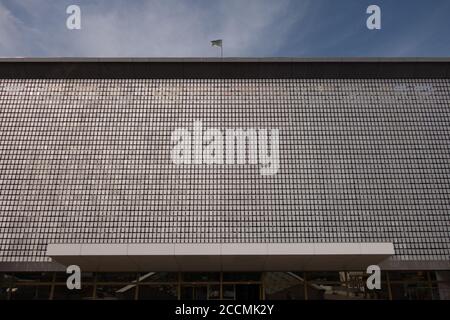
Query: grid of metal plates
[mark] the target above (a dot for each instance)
(88, 161)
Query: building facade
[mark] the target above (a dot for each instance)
(225, 178)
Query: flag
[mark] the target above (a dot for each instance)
(216, 43)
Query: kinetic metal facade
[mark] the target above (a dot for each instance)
(88, 161)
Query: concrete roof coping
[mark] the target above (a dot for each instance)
(225, 60)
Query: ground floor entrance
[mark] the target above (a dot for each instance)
(331, 285)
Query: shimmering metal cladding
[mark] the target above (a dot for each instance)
(88, 161)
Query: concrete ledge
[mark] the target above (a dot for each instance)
(221, 257)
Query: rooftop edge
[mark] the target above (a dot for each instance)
(226, 59)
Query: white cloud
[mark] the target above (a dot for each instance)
(152, 28)
(11, 33)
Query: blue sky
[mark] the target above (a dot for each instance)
(249, 28)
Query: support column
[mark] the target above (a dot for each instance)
(443, 288)
(305, 286)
